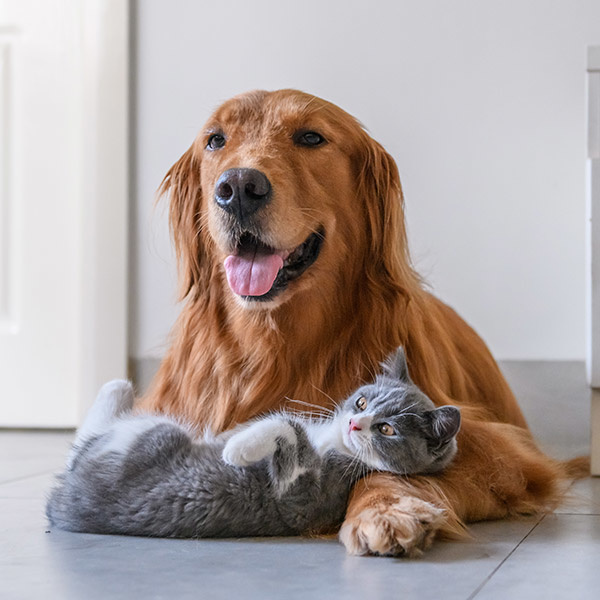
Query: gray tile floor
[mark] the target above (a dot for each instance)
(557, 556)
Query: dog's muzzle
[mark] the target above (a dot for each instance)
(241, 192)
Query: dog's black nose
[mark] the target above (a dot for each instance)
(242, 192)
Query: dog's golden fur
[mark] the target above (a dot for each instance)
(231, 359)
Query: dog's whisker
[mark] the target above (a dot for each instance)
(312, 211)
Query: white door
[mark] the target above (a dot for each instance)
(51, 218)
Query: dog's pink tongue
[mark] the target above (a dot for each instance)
(252, 274)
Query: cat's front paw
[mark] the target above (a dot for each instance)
(238, 454)
(256, 442)
(404, 528)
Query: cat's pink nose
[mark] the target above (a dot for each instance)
(354, 426)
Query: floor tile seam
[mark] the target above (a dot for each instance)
(25, 477)
(577, 514)
(499, 566)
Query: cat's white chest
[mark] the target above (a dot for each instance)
(326, 436)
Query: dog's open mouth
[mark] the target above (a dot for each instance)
(257, 272)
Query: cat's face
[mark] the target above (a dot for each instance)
(391, 425)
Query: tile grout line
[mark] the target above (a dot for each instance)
(487, 579)
(578, 514)
(23, 477)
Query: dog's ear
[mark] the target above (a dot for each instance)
(379, 186)
(182, 184)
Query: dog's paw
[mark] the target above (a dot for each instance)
(256, 442)
(404, 528)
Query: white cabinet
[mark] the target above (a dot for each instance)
(593, 248)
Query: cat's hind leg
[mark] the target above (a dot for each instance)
(114, 399)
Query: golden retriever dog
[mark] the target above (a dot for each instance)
(288, 223)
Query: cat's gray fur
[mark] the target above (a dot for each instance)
(281, 474)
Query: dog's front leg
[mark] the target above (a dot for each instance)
(498, 472)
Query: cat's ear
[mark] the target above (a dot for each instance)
(445, 423)
(395, 366)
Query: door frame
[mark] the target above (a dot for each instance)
(593, 248)
(105, 193)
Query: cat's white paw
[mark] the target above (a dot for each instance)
(256, 442)
(239, 454)
(117, 397)
(114, 399)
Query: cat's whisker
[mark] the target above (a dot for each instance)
(357, 468)
(364, 472)
(299, 413)
(304, 414)
(371, 370)
(315, 406)
(304, 417)
(355, 459)
(403, 411)
(356, 464)
(324, 394)
(345, 472)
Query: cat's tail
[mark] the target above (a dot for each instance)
(577, 468)
(114, 399)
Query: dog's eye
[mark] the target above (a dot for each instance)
(361, 403)
(308, 138)
(386, 429)
(215, 141)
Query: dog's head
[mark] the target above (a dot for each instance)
(281, 192)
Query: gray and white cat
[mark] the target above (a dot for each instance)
(281, 474)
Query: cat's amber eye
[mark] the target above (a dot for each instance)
(361, 403)
(386, 429)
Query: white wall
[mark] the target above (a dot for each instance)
(481, 102)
